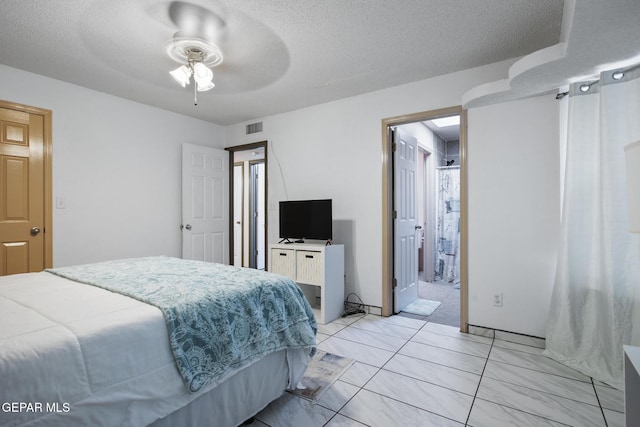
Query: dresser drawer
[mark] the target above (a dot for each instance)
(283, 262)
(310, 267)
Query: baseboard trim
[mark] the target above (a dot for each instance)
(503, 335)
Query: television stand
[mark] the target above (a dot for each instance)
(319, 272)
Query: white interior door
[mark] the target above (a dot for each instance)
(405, 159)
(259, 215)
(238, 214)
(205, 211)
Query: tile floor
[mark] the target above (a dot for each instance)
(410, 372)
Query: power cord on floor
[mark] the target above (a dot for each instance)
(353, 307)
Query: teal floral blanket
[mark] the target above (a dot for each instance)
(220, 318)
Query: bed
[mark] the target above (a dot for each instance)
(128, 343)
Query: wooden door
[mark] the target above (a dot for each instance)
(25, 194)
(205, 213)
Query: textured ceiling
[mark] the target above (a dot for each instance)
(280, 55)
(596, 36)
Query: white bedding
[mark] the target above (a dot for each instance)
(73, 354)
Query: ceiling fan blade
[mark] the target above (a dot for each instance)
(196, 21)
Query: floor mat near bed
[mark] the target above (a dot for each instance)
(422, 307)
(323, 370)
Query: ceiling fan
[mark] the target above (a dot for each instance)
(245, 53)
(195, 45)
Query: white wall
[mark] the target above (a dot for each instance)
(117, 164)
(514, 212)
(334, 151)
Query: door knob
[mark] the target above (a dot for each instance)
(35, 231)
(418, 227)
(188, 226)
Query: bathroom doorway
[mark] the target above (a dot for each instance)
(438, 202)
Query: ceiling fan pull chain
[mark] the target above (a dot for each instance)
(195, 93)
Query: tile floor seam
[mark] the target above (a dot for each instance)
(515, 349)
(495, 343)
(360, 388)
(382, 333)
(425, 381)
(537, 370)
(368, 345)
(544, 372)
(356, 393)
(378, 369)
(595, 387)
(606, 423)
(457, 351)
(436, 363)
(546, 392)
(479, 382)
(413, 406)
(524, 412)
(343, 415)
(345, 403)
(461, 333)
(417, 379)
(334, 412)
(440, 364)
(447, 349)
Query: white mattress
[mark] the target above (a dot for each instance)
(73, 354)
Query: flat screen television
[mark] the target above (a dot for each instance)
(306, 219)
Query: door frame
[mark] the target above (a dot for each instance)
(247, 147)
(47, 173)
(387, 207)
(427, 205)
(253, 195)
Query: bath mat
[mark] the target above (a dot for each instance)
(422, 307)
(323, 370)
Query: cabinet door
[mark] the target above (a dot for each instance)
(310, 267)
(283, 262)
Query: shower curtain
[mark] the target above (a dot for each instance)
(595, 307)
(447, 262)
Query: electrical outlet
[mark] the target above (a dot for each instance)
(497, 300)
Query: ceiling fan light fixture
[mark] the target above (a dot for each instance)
(200, 56)
(182, 75)
(183, 49)
(201, 73)
(205, 86)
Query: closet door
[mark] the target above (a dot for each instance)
(205, 213)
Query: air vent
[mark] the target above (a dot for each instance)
(254, 128)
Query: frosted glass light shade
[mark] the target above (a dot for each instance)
(201, 72)
(181, 75)
(632, 154)
(203, 77)
(206, 85)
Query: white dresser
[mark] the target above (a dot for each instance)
(318, 270)
(631, 385)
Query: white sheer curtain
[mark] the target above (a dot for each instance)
(595, 308)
